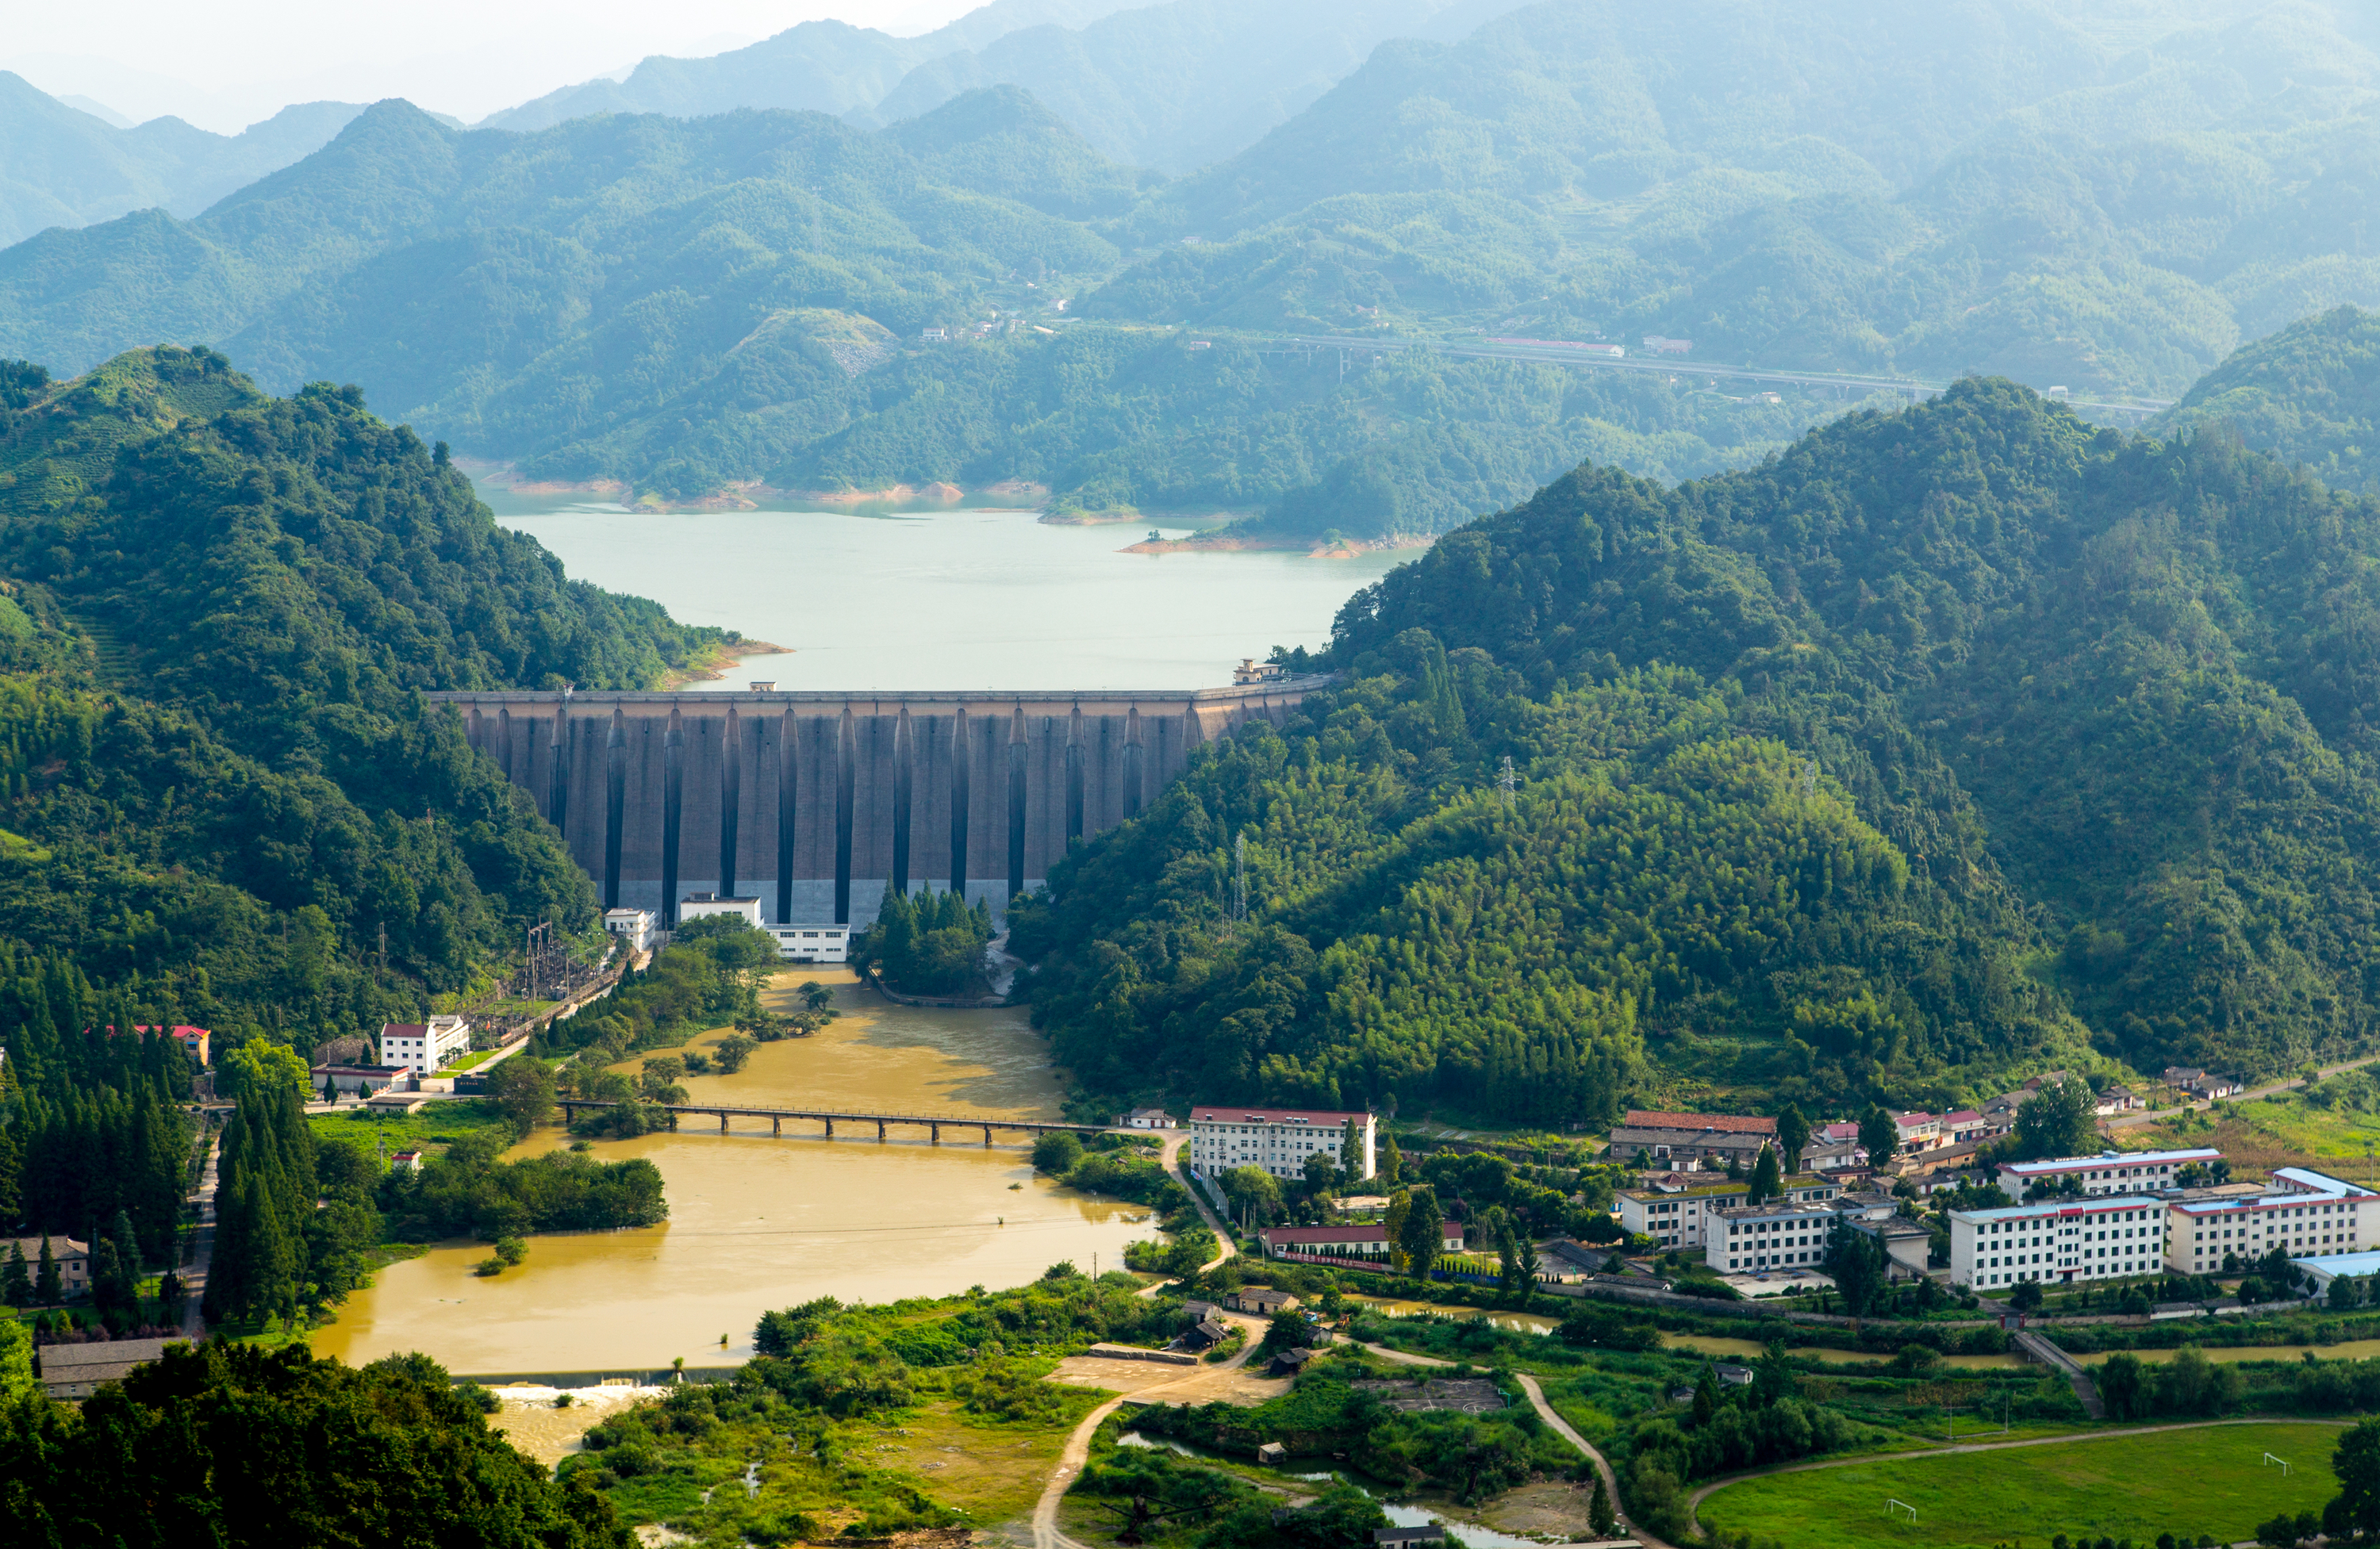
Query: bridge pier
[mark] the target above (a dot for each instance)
(776, 1127)
(986, 1136)
(879, 1129)
(830, 1129)
(723, 1121)
(937, 1135)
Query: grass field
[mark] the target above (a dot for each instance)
(2207, 1480)
(2278, 1132)
(439, 1121)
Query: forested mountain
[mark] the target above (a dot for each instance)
(1936, 744)
(2310, 394)
(220, 785)
(60, 166)
(2095, 195)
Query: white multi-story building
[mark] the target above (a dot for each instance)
(2307, 1212)
(1684, 1218)
(2111, 1172)
(2056, 1241)
(633, 926)
(1747, 1238)
(1279, 1140)
(696, 905)
(424, 1047)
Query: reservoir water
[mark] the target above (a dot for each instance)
(952, 598)
(759, 1223)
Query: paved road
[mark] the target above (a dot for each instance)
(202, 1243)
(1673, 366)
(1694, 1501)
(1077, 1449)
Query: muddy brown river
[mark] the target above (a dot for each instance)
(757, 1223)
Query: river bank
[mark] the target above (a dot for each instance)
(759, 1222)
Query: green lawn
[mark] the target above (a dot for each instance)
(2211, 1480)
(440, 1120)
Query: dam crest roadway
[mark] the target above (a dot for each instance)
(821, 802)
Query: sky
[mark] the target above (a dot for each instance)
(227, 63)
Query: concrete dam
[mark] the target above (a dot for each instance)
(820, 803)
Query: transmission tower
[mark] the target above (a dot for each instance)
(1507, 781)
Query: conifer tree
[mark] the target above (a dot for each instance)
(1765, 1185)
(47, 1290)
(16, 1281)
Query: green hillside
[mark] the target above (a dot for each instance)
(220, 787)
(1940, 743)
(2309, 395)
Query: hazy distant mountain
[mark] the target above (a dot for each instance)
(826, 67)
(61, 166)
(1178, 85)
(2000, 186)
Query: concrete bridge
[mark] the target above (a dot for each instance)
(820, 803)
(936, 1123)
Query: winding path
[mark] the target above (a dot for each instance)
(1077, 1449)
(1560, 1427)
(1694, 1501)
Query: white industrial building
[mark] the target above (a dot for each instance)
(424, 1047)
(697, 905)
(812, 943)
(1279, 1140)
(633, 928)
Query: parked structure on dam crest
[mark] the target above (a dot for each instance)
(820, 801)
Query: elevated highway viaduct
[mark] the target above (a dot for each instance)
(820, 803)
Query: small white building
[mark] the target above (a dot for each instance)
(1146, 1119)
(698, 906)
(633, 928)
(1279, 1140)
(424, 1047)
(2111, 1172)
(812, 943)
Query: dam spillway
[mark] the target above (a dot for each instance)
(820, 802)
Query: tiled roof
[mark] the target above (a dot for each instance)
(1734, 1124)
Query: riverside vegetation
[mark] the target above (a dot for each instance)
(2098, 200)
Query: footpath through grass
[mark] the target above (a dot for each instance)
(2186, 1482)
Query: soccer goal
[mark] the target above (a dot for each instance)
(1893, 1509)
(2270, 1460)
